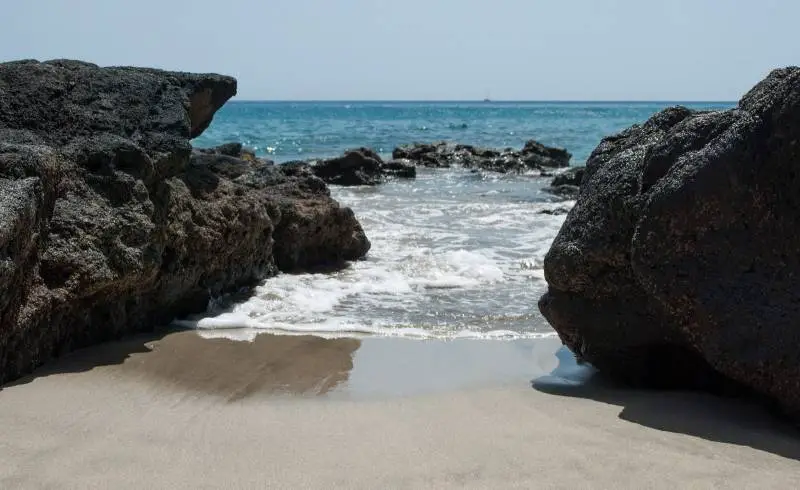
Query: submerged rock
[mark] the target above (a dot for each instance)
(111, 224)
(678, 265)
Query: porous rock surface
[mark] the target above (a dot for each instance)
(679, 266)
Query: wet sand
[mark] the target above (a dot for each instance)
(181, 411)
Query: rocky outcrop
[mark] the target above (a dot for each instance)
(360, 166)
(537, 155)
(363, 166)
(533, 156)
(566, 191)
(678, 265)
(356, 167)
(110, 223)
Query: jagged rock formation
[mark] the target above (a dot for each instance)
(110, 224)
(679, 264)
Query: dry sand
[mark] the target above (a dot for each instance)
(304, 412)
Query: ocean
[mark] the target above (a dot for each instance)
(455, 254)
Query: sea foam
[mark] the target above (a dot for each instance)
(462, 258)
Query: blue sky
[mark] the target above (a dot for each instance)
(427, 49)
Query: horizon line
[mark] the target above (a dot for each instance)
(493, 101)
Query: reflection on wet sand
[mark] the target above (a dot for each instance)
(237, 364)
(302, 365)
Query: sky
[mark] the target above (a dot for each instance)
(677, 50)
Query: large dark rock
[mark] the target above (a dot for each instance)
(110, 224)
(679, 264)
(82, 101)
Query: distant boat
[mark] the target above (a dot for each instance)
(487, 99)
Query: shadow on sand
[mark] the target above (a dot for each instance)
(231, 369)
(727, 420)
(111, 353)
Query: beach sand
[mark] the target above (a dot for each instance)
(181, 411)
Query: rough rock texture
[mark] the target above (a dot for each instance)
(361, 166)
(679, 264)
(533, 156)
(356, 167)
(110, 224)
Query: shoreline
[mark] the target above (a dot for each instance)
(238, 364)
(163, 412)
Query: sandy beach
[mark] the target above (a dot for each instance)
(181, 411)
(356, 246)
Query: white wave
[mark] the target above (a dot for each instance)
(454, 269)
(455, 261)
(248, 334)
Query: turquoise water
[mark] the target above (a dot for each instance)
(455, 254)
(295, 130)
